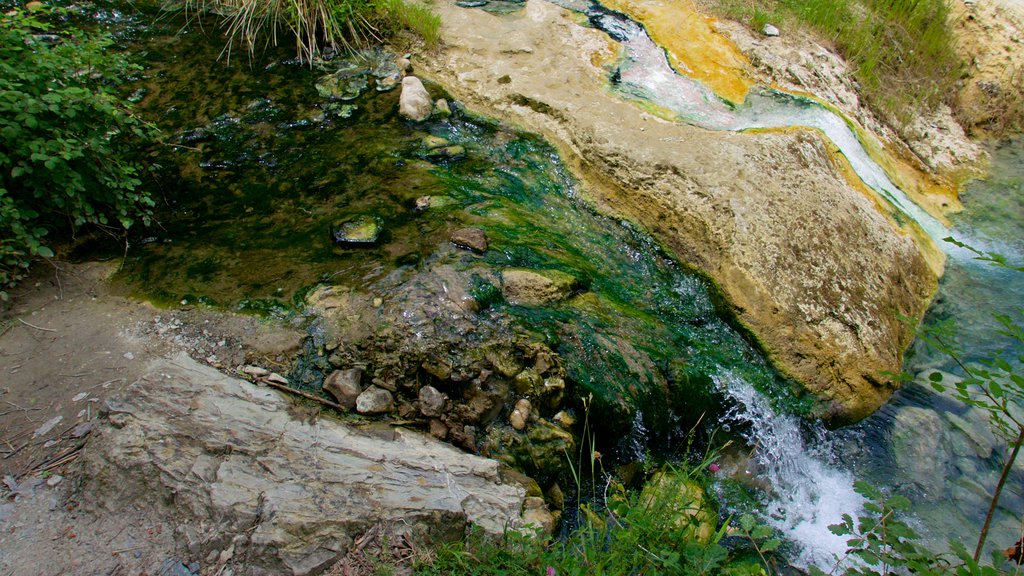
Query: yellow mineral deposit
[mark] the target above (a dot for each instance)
(693, 45)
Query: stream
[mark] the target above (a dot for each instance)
(268, 159)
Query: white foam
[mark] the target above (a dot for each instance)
(811, 491)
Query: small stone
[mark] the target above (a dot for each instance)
(504, 361)
(377, 302)
(438, 429)
(441, 108)
(471, 239)
(80, 396)
(536, 514)
(404, 64)
(277, 379)
(422, 203)
(555, 497)
(554, 389)
(82, 430)
(415, 102)
(54, 480)
(255, 371)
(359, 230)
(564, 420)
(129, 356)
(345, 386)
(520, 414)
(375, 400)
(432, 401)
(431, 142)
(453, 152)
(769, 30)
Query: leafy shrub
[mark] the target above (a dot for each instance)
(66, 139)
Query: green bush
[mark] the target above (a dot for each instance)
(66, 138)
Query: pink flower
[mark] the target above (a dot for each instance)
(714, 468)
(550, 571)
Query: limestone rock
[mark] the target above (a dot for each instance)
(535, 287)
(375, 400)
(769, 30)
(345, 386)
(414, 102)
(807, 261)
(537, 516)
(471, 239)
(432, 401)
(231, 458)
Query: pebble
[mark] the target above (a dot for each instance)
(54, 480)
(769, 30)
(277, 379)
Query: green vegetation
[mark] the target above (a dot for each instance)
(901, 51)
(67, 141)
(317, 25)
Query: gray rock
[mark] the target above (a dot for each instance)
(920, 450)
(432, 401)
(471, 239)
(536, 287)
(375, 400)
(769, 30)
(345, 386)
(414, 102)
(232, 457)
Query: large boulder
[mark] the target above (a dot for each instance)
(812, 266)
(230, 466)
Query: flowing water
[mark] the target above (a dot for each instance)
(262, 166)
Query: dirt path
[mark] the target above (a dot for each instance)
(67, 344)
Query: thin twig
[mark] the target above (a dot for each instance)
(36, 327)
(123, 550)
(306, 395)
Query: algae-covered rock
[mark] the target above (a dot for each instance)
(359, 230)
(683, 503)
(536, 287)
(539, 452)
(341, 85)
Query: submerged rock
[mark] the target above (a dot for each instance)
(187, 440)
(359, 230)
(536, 287)
(415, 102)
(441, 108)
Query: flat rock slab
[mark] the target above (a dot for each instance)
(232, 465)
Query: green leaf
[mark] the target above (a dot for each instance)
(44, 252)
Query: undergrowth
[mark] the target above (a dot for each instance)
(901, 51)
(318, 25)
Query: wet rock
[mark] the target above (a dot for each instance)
(432, 401)
(684, 500)
(359, 230)
(536, 287)
(440, 369)
(388, 83)
(404, 65)
(471, 239)
(555, 497)
(375, 400)
(520, 414)
(553, 391)
(504, 361)
(453, 152)
(345, 386)
(529, 383)
(540, 451)
(564, 419)
(769, 30)
(231, 456)
(441, 108)
(341, 85)
(471, 3)
(537, 516)
(971, 434)
(919, 449)
(415, 102)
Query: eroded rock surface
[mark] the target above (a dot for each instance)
(229, 464)
(810, 265)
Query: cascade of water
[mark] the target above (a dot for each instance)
(811, 491)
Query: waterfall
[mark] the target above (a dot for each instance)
(810, 490)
